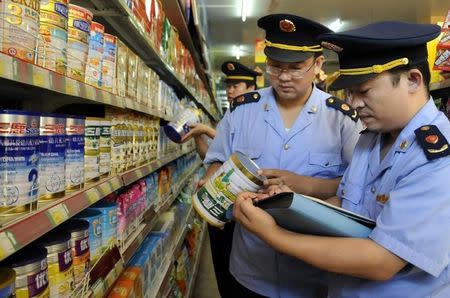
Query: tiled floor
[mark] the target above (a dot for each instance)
(205, 285)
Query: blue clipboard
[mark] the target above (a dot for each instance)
(307, 215)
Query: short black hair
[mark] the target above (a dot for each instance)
(250, 83)
(422, 67)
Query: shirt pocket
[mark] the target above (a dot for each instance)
(325, 165)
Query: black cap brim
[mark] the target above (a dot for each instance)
(343, 82)
(234, 81)
(286, 55)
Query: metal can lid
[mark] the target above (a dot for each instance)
(28, 255)
(54, 238)
(20, 112)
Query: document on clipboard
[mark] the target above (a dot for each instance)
(308, 215)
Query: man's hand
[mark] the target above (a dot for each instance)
(252, 218)
(280, 178)
(198, 129)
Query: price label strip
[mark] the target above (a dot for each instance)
(58, 214)
(8, 244)
(92, 195)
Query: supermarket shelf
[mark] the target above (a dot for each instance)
(169, 258)
(39, 79)
(138, 238)
(441, 89)
(191, 284)
(132, 33)
(142, 171)
(16, 233)
(176, 17)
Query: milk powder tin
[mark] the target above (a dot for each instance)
(94, 217)
(52, 48)
(95, 55)
(109, 62)
(59, 261)
(30, 265)
(237, 174)
(19, 160)
(79, 242)
(52, 155)
(178, 128)
(54, 12)
(7, 280)
(19, 28)
(92, 149)
(79, 25)
(74, 152)
(105, 147)
(109, 221)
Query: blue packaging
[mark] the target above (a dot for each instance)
(19, 158)
(94, 217)
(109, 221)
(74, 152)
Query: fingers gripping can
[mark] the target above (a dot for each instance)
(178, 128)
(237, 174)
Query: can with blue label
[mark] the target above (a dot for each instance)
(7, 278)
(178, 128)
(75, 152)
(94, 217)
(109, 221)
(19, 161)
(52, 157)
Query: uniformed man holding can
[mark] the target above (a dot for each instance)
(398, 175)
(290, 126)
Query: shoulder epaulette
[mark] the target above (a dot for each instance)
(243, 99)
(432, 141)
(342, 106)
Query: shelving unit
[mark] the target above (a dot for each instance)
(191, 284)
(120, 18)
(27, 228)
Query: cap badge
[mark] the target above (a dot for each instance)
(287, 26)
(230, 66)
(331, 46)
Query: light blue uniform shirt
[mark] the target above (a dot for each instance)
(319, 144)
(414, 222)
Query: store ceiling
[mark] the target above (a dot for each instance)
(225, 28)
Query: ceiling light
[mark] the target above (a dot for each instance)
(237, 52)
(336, 25)
(244, 10)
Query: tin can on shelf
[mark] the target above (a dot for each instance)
(109, 221)
(19, 29)
(75, 152)
(19, 161)
(53, 31)
(92, 149)
(239, 173)
(95, 55)
(79, 24)
(79, 242)
(30, 265)
(94, 217)
(52, 156)
(59, 262)
(105, 148)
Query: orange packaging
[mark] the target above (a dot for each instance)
(129, 284)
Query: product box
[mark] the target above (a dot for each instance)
(132, 74)
(122, 68)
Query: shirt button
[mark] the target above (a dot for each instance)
(373, 189)
(404, 144)
(286, 146)
(343, 192)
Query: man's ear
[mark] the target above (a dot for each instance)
(318, 64)
(415, 80)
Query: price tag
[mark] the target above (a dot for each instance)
(6, 66)
(116, 183)
(139, 173)
(107, 98)
(105, 189)
(90, 92)
(72, 87)
(58, 214)
(92, 195)
(41, 77)
(8, 244)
